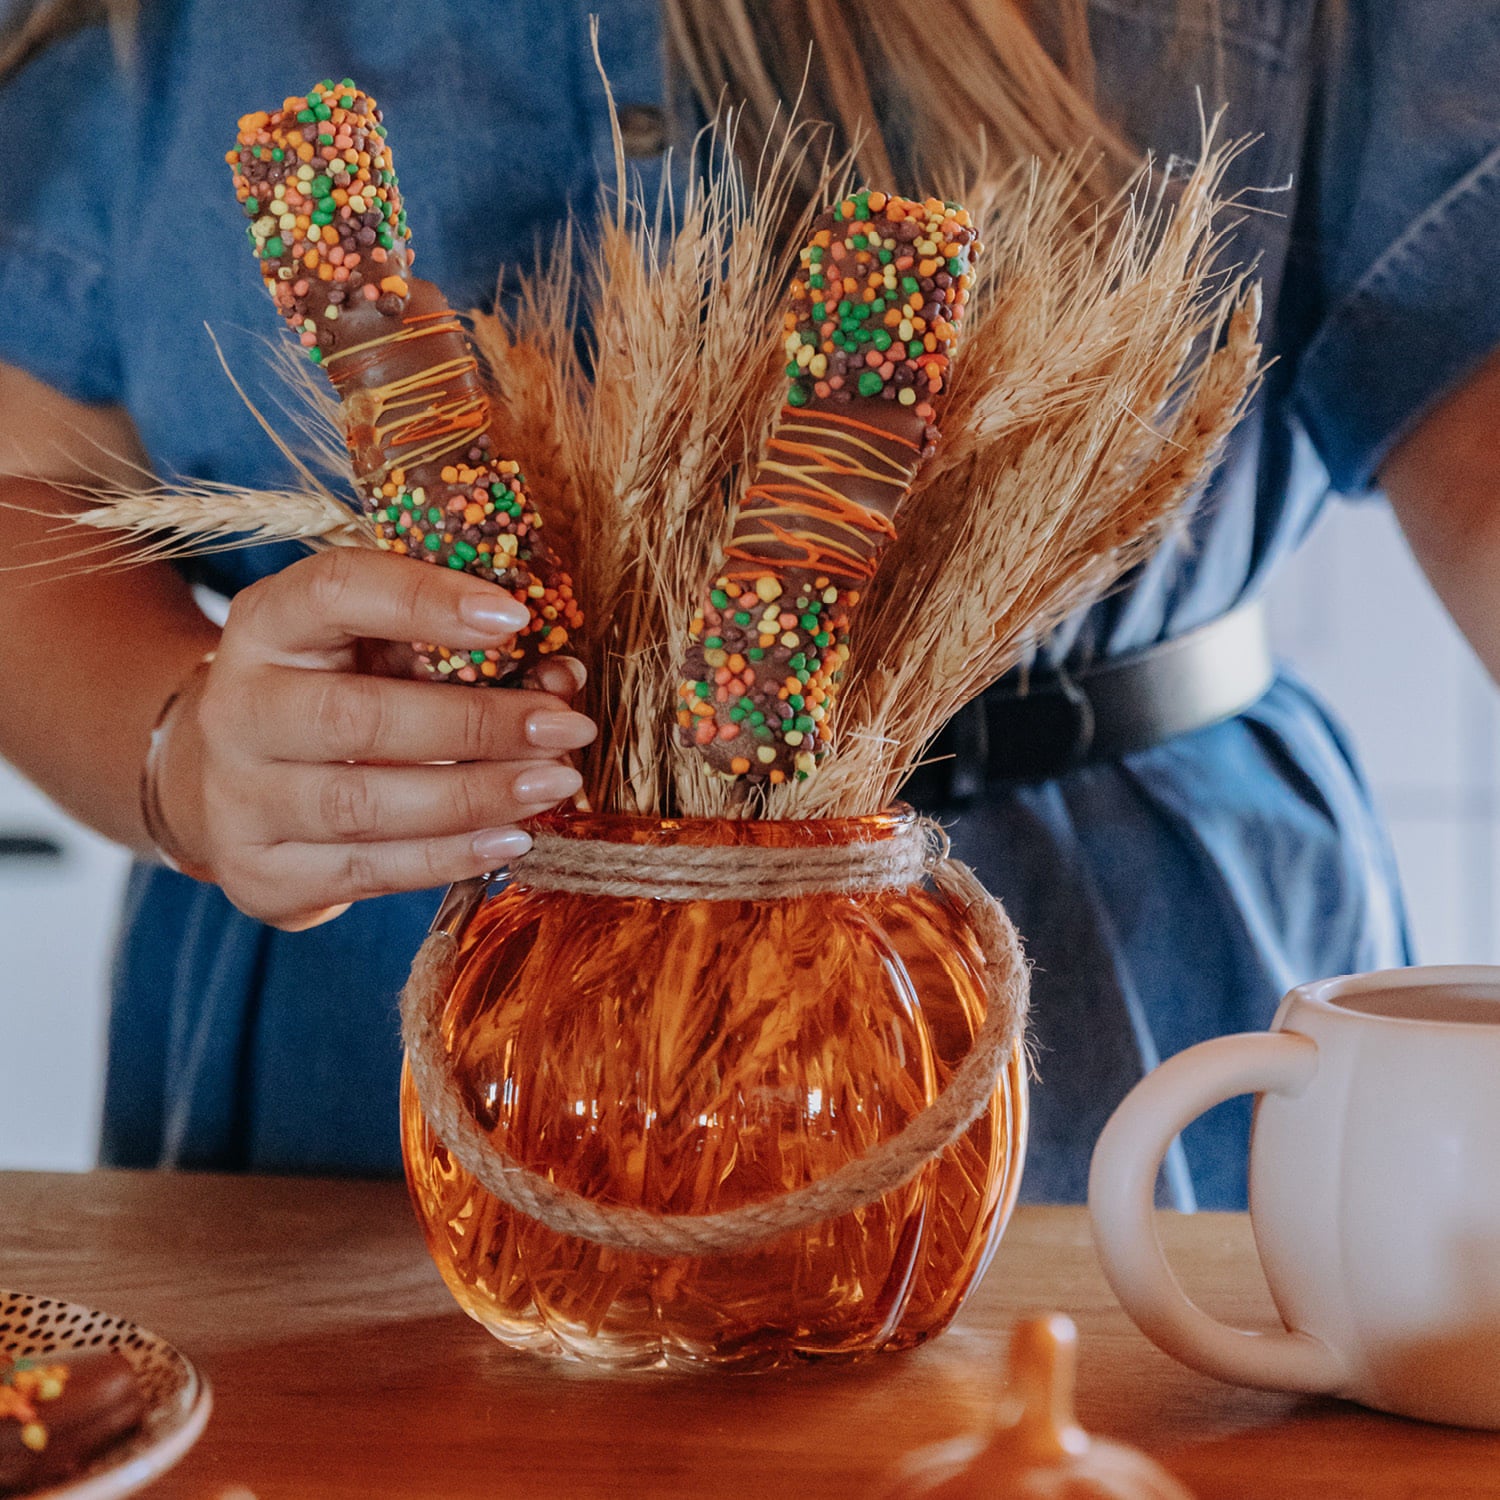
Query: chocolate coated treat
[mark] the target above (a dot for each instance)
(328, 227)
(58, 1410)
(871, 324)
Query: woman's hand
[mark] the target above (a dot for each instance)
(303, 783)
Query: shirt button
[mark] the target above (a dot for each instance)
(643, 128)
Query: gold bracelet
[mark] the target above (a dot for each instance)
(164, 845)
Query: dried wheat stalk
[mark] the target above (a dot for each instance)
(1106, 357)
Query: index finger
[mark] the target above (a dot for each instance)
(312, 613)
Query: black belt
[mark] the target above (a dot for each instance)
(1102, 712)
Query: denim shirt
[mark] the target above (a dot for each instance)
(1370, 199)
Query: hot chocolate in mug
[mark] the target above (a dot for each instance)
(1374, 1194)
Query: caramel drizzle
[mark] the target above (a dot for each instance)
(414, 419)
(820, 528)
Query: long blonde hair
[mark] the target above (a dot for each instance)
(971, 83)
(942, 90)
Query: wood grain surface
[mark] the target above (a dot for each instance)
(342, 1370)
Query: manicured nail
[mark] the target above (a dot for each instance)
(559, 729)
(501, 844)
(546, 784)
(493, 610)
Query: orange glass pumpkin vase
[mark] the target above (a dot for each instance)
(689, 1056)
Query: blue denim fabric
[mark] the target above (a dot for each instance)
(1165, 898)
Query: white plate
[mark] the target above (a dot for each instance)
(177, 1396)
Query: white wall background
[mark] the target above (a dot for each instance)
(1351, 611)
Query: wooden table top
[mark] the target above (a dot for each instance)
(341, 1368)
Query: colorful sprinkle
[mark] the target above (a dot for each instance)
(872, 322)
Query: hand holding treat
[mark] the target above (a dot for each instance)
(58, 1410)
(871, 325)
(327, 224)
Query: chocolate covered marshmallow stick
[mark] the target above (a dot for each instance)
(871, 324)
(328, 227)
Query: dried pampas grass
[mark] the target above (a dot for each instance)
(1106, 356)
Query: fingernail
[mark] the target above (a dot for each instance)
(493, 610)
(546, 784)
(501, 844)
(559, 729)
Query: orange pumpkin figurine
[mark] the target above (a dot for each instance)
(1037, 1450)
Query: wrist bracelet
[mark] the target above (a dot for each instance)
(164, 845)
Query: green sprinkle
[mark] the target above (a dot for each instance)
(887, 256)
(315, 354)
(910, 284)
(385, 239)
(756, 653)
(819, 311)
(741, 617)
(817, 283)
(455, 562)
(870, 384)
(956, 266)
(845, 308)
(346, 101)
(808, 336)
(718, 598)
(860, 242)
(915, 349)
(794, 369)
(320, 186)
(325, 140)
(809, 622)
(882, 340)
(274, 246)
(322, 111)
(757, 718)
(802, 722)
(798, 395)
(796, 700)
(318, 217)
(434, 515)
(702, 689)
(821, 639)
(346, 83)
(797, 662)
(476, 657)
(432, 541)
(465, 551)
(277, 154)
(713, 642)
(305, 117)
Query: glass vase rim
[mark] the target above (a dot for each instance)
(657, 829)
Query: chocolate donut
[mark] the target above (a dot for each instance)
(58, 1410)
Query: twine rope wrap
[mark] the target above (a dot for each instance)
(729, 873)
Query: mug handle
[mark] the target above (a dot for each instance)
(1122, 1185)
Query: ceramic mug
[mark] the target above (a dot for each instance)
(1374, 1194)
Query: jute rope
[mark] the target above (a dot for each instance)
(678, 874)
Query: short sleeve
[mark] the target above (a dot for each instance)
(1406, 224)
(61, 129)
